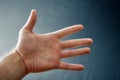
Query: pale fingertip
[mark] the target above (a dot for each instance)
(88, 50)
(90, 40)
(82, 67)
(33, 10)
(79, 26)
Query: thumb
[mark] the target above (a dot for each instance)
(31, 21)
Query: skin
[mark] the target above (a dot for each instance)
(42, 52)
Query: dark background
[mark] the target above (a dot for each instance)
(101, 21)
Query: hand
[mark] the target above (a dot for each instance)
(42, 52)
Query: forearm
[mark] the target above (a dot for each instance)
(12, 67)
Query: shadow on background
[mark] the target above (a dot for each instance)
(101, 21)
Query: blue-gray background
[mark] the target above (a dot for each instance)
(101, 21)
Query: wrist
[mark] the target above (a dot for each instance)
(12, 65)
(26, 62)
(22, 61)
(19, 63)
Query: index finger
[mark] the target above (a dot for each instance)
(68, 30)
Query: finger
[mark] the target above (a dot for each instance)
(75, 43)
(31, 21)
(68, 66)
(68, 30)
(76, 52)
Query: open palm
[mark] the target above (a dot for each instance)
(42, 52)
